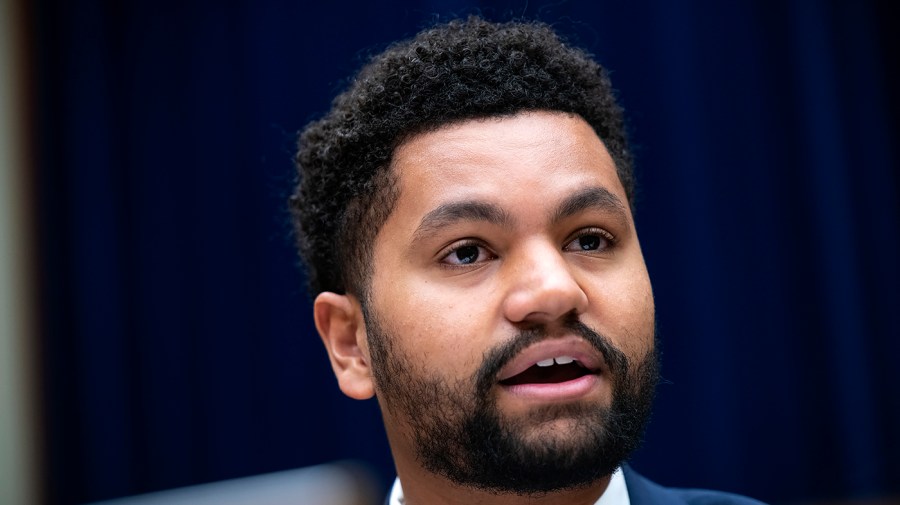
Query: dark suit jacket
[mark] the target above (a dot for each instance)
(642, 491)
(645, 492)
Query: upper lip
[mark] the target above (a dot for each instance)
(576, 347)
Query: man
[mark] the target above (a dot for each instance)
(465, 213)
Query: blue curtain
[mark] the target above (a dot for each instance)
(177, 343)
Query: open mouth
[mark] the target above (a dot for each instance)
(550, 371)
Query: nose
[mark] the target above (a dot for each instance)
(542, 287)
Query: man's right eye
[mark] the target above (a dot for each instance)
(467, 254)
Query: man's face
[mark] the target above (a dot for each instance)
(511, 252)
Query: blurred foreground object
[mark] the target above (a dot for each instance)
(341, 483)
(19, 416)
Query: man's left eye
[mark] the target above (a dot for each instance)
(590, 241)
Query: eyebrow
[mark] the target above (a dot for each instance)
(594, 197)
(467, 210)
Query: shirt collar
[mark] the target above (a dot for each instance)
(616, 492)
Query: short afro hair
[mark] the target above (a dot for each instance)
(462, 70)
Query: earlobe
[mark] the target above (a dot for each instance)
(341, 326)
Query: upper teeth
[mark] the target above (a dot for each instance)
(559, 360)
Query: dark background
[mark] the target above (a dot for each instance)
(176, 338)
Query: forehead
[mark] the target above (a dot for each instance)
(528, 155)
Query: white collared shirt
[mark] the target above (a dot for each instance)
(616, 492)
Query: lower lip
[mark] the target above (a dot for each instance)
(556, 391)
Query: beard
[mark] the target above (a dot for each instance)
(460, 433)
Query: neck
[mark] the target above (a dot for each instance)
(424, 488)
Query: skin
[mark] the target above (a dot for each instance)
(532, 267)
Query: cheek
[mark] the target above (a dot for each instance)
(622, 309)
(441, 330)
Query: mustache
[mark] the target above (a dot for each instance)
(498, 357)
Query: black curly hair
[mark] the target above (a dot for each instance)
(461, 70)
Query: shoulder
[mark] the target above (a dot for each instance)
(642, 491)
(706, 497)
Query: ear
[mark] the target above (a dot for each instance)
(340, 323)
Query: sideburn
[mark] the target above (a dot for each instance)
(363, 217)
